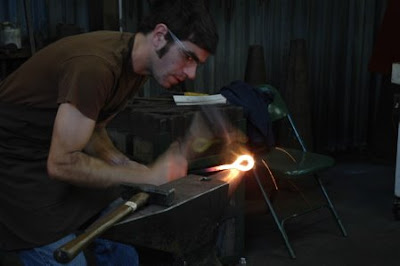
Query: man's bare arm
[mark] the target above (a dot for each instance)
(73, 132)
(101, 146)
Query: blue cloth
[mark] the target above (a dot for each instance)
(106, 253)
(255, 106)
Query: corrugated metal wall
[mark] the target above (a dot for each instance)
(339, 36)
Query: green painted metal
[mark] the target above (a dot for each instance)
(277, 109)
(291, 163)
(296, 163)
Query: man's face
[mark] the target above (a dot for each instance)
(178, 63)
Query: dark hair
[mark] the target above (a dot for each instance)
(187, 19)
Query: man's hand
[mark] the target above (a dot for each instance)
(170, 166)
(202, 134)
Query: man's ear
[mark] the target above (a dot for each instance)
(159, 33)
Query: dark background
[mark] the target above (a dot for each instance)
(348, 97)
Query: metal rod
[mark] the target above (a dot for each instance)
(303, 146)
(331, 207)
(275, 216)
(28, 18)
(121, 29)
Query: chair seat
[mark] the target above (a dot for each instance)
(293, 163)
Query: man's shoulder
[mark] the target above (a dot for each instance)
(105, 35)
(110, 47)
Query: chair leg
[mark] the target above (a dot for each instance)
(274, 215)
(330, 205)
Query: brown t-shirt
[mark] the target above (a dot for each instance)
(92, 71)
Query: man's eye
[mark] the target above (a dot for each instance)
(189, 58)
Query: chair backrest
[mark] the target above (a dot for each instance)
(278, 110)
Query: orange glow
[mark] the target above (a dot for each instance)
(243, 163)
(232, 174)
(236, 171)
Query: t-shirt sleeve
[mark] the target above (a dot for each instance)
(85, 82)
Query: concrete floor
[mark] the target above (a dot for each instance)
(362, 192)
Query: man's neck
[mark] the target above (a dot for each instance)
(140, 54)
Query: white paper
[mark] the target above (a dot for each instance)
(396, 73)
(199, 100)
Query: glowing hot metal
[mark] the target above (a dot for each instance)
(243, 163)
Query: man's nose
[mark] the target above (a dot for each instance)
(190, 71)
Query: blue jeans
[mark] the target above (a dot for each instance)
(106, 253)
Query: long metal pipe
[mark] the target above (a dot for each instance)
(121, 29)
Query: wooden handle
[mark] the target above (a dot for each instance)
(68, 251)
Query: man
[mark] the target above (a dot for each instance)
(58, 168)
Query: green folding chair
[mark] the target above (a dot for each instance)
(290, 164)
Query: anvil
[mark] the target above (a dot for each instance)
(184, 228)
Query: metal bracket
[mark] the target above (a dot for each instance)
(396, 208)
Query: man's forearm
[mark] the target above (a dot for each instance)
(82, 169)
(101, 164)
(81, 153)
